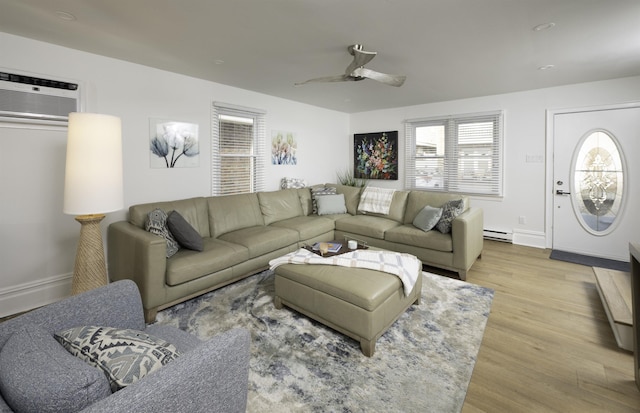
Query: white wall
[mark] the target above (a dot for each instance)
(37, 241)
(525, 192)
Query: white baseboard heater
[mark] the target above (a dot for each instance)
(495, 235)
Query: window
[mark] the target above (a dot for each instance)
(455, 154)
(237, 150)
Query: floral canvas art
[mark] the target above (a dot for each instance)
(173, 144)
(376, 155)
(283, 148)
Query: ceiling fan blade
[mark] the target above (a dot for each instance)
(360, 58)
(391, 80)
(337, 78)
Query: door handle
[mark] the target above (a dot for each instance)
(561, 192)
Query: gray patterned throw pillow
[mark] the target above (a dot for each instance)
(157, 224)
(124, 355)
(450, 211)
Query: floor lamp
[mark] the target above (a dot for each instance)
(92, 188)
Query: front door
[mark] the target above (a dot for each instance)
(596, 177)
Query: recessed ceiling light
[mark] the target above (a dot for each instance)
(65, 16)
(543, 26)
(546, 67)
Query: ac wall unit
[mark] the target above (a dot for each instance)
(35, 99)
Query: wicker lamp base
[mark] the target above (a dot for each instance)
(90, 269)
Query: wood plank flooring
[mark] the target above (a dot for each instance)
(548, 346)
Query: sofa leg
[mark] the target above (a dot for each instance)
(462, 275)
(368, 347)
(277, 302)
(150, 315)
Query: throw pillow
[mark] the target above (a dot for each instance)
(317, 192)
(124, 355)
(157, 224)
(38, 375)
(331, 204)
(427, 218)
(183, 232)
(450, 210)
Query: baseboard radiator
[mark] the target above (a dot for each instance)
(495, 235)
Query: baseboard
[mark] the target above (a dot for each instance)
(24, 297)
(529, 238)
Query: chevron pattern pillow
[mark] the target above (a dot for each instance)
(124, 355)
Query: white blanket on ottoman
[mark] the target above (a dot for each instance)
(405, 266)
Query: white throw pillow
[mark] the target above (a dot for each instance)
(427, 218)
(331, 204)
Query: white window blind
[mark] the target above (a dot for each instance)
(237, 150)
(455, 154)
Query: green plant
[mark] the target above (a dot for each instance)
(346, 177)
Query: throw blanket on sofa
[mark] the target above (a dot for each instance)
(404, 266)
(376, 200)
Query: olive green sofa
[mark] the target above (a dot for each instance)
(242, 233)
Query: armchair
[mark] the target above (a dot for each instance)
(208, 376)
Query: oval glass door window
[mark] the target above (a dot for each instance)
(598, 180)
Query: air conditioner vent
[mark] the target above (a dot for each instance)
(29, 98)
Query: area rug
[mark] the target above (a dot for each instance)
(422, 363)
(589, 261)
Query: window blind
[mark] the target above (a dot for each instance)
(460, 153)
(237, 150)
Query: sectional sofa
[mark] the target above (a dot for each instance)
(241, 233)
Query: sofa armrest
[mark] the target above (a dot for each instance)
(138, 255)
(211, 378)
(467, 236)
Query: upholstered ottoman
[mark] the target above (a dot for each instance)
(358, 302)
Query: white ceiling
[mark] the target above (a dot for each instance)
(448, 49)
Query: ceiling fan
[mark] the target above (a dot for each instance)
(356, 70)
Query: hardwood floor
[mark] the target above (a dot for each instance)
(548, 346)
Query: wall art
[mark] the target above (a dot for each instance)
(173, 144)
(284, 148)
(375, 155)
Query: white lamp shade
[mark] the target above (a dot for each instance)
(93, 174)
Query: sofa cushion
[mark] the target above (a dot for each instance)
(304, 194)
(194, 210)
(418, 199)
(261, 240)
(279, 205)
(351, 196)
(427, 218)
(217, 255)
(331, 204)
(307, 227)
(365, 225)
(157, 224)
(124, 355)
(230, 213)
(409, 235)
(450, 211)
(397, 208)
(38, 375)
(183, 232)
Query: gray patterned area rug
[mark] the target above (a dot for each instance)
(423, 363)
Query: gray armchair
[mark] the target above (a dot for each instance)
(208, 376)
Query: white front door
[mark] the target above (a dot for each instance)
(596, 181)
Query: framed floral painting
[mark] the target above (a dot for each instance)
(376, 155)
(173, 144)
